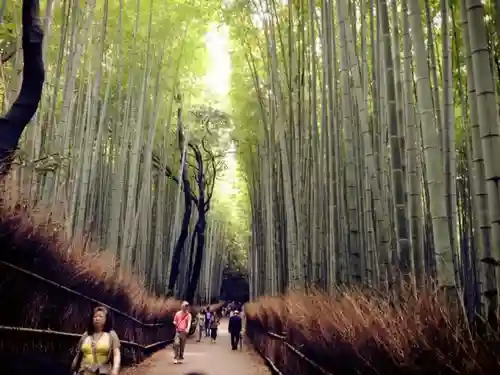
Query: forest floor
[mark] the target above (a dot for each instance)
(205, 358)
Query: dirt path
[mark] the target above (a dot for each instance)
(206, 358)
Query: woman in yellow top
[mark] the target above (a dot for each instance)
(99, 347)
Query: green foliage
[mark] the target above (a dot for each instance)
(210, 125)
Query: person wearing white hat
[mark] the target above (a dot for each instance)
(182, 323)
(234, 328)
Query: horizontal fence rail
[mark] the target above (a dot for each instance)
(273, 366)
(297, 352)
(270, 364)
(139, 338)
(80, 295)
(35, 331)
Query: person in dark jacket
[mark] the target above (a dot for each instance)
(208, 318)
(235, 325)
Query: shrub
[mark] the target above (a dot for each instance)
(358, 333)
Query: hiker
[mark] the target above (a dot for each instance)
(214, 325)
(201, 323)
(235, 325)
(182, 323)
(24, 107)
(208, 318)
(98, 350)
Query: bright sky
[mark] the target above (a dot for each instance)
(217, 79)
(217, 82)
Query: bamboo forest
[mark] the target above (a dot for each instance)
(330, 164)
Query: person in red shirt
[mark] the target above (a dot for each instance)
(182, 323)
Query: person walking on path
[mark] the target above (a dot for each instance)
(182, 322)
(234, 328)
(214, 325)
(201, 324)
(208, 319)
(98, 350)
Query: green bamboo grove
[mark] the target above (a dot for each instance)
(117, 132)
(368, 139)
(365, 134)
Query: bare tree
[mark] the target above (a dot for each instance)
(14, 122)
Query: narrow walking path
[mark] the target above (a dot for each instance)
(207, 358)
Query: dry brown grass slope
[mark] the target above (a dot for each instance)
(352, 333)
(31, 240)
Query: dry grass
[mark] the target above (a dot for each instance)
(216, 307)
(32, 239)
(355, 333)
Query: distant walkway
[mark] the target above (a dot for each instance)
(207, 358)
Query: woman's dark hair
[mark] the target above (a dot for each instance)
(108, 323)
